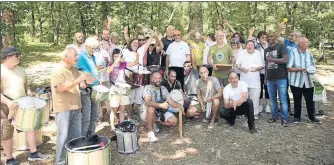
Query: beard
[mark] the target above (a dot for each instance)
(205, 77)
(157, 84)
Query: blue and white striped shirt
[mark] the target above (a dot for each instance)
(300, 59)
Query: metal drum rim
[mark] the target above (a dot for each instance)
(86, 152)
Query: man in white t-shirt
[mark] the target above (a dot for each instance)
(236, 102)
(177, 53)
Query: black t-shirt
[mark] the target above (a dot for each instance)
(275, 71)
(166, 43)
(153, 58)
(176, 85)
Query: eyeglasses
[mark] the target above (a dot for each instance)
(177, 35)
(141, 39)
(152, 45)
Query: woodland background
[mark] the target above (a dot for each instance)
(56, 22)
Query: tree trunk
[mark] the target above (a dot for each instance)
(195, 16)
(68, 29)
(33, 34)
(53, 23)
(58, 22)
(14, 27)
(159, 8)
(82, 20)
(152, 21)
(96, 20)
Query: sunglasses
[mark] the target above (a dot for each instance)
(16, 55)
(152, 44)
(141, 39)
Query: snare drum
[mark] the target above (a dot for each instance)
(141, 77)
(100, 93)
(122, 88)
(29, 116)
(20, 139)
(96, 155)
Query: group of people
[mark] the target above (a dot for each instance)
(261, 66)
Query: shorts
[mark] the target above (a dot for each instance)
(116, 100)
(167, 114)
(7, 130)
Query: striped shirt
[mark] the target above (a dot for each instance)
(300, 59)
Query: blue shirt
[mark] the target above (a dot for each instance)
(290, 46)
(86, 63)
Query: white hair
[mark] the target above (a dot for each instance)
(64, 53)
(296, 33)
(301, 39)
(92, 42)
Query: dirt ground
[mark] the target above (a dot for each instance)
(302, 144)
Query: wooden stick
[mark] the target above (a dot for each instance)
(180, 122)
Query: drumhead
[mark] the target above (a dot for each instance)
(100, 88)
(142, 71)
(311, 69)
(80, 142)
(177, 96)
(31, 102)
(123, 84)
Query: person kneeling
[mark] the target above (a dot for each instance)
(158, 104)
(236, 102)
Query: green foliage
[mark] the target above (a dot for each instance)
(56, 22)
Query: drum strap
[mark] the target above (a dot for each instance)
(162, 98)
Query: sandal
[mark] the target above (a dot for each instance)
(211, 126)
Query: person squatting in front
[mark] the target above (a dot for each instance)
(208, 93)
(236, 102)
(158, 106)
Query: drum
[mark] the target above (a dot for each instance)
(29, 116)
(122, 88)
(100, 93)
(154, 68)
(48, 108)
(177, 96)
(93, 155)
(20, 140)
(141, 78)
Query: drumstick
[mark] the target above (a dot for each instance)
(180, 122)
(91, 146)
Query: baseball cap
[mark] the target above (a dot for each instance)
(9, 51)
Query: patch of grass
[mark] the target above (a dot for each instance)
(35, 53)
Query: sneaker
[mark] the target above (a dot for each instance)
(316, 121)
(268, 110)
(37, 156)
(284, 123)
(296, 121)
(12, 162)
(256, 117)
(151, 137)
(260, 108)
(272, 120)
(155, 128)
